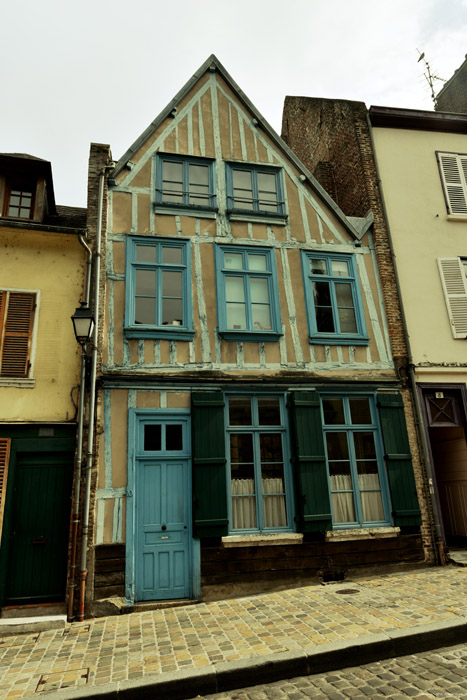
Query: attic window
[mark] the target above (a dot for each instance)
(19, 199)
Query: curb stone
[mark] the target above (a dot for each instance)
(257, 670)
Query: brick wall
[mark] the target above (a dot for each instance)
(453, 96)
(332, 138)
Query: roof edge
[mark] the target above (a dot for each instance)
(401, 118)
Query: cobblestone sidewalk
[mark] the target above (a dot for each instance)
(152, 642)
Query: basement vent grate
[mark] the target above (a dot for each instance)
(76, 630)
(64, 679)
(18, 641)
(331, 576)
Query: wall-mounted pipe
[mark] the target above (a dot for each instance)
(79, 449)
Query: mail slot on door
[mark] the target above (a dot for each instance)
(39, 540)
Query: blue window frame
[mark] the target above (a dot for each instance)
(258, 464)
(255, 189)
(357, 480)
(247, 293)
(185, 182)
(158, 288)
(333, 299)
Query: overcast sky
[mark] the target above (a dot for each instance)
(101, 70)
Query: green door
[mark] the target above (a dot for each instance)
(40, 523)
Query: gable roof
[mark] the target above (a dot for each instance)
(213, 63)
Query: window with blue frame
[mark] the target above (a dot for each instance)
(333, 299)
(357, 480)
(158, 288)
(258, 464)
(185, 181)
(255, 189)
(247, 293)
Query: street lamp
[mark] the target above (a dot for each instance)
(83, 323)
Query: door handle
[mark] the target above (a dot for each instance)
(164, 527)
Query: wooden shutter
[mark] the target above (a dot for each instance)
(209, 465)
(454, 176)
(405, 508)
(4, 458)
(311, 482)
(16, 323)
(455, 293)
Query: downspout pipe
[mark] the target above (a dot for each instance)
(92, 399)
(79, 450)
(438, 544)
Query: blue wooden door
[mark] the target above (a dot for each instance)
(163, 515)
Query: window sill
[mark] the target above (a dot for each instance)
(262, 540)
(363, 533)
(338, 340)
(257, 217)
(21, 383)
(171, 333)
(457, 217)
(250, 336)
(185, 210)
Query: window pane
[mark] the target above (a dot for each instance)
(145, 283)
(234, 289)
(344, 295)
(261, 317)
(269, 411)
(236, 316)
(257, 262)
(145, 310)
(372, 506)
(337, 446)
(340, 268)
(242, 189)
(239, 411)
(259, 290)
(172, 312)
(322, 293)
(171, 255)
(173, 437)
(323, 307)
(241, 449)
(333, 410)
(360, 411)
(324, 320)
(199, 175)
(364, 445)
(146, 253)
(233, 261)
(343, 507)
(171, 283)
(266, 182)
(347, 321)
(318, 267)
(152, 438)
(172, 182)
(270, 450)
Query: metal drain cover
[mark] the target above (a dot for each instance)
(348, 591)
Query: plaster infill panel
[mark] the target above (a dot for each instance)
(118, 313)
(119, 441)
(143, 177)
(148, 399)
(178, 399)
(121, 212)
(144, 213)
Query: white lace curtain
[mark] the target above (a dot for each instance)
(244, 508)
(343, 506)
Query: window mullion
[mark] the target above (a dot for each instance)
(186, 182)
(254, 187)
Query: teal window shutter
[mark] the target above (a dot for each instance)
(405, 508)
(209, 470)
(311, 483)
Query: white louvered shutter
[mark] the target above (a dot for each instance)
(454, 176)
(455, 292)
(4, 458)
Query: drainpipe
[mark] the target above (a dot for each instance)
(79, 452)
(92, 400)
(438, 546)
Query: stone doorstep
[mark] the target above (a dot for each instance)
(21, 611)
(29, 625)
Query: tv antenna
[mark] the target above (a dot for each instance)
(429, 76)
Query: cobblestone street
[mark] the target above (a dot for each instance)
(437, 674)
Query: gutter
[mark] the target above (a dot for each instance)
(438, 546)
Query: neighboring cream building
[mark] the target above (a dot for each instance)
(41, 282)
(422, 162)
